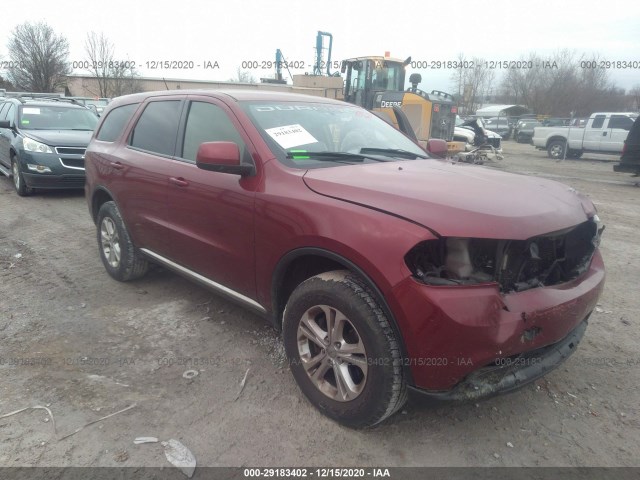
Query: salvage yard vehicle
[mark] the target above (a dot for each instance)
(387, 271)
(630, 158)
(473, 134)
(501, 125)
(43, 141)
(523, 132)
(604, 132)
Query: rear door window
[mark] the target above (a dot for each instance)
(598, 121)
(157, 127)
(620, 121)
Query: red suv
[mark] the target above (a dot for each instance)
(386, 270)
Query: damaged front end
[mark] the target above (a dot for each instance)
(516, 265)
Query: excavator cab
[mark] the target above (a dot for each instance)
(377, 84)
(366, 76)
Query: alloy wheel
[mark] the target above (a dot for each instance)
(332, 353)
(110, 242)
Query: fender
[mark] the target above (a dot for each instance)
(286, 260)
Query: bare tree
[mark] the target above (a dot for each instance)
(562, 83)
(114, 77)
(635, 97)
(243, 76)
(38, 58)
(472, 82)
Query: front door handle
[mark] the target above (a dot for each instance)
(180, 182)
(116, 165)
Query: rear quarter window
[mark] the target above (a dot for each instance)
(115, 121)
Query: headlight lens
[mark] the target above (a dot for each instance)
(30, 145)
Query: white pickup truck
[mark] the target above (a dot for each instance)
(604, 132)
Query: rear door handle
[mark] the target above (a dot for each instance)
(180, 182)
(604, 134)
(116, 165)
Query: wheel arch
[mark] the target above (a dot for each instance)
(100, 196)
(303, 263)
(555, 138)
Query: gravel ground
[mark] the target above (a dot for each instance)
(87, 346)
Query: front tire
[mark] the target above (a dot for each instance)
(120, 257)
(18, 179)
(342, 350)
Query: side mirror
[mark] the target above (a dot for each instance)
(437, 147)
(223, 157)
(5, 124)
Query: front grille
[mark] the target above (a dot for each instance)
(548, 259)
(72, 162)
(70, 150)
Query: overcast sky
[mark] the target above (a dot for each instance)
(232, 32)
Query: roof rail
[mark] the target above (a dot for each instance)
(48, 96)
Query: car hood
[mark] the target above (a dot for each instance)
(69, 138)
(468, 132)
(456, 200)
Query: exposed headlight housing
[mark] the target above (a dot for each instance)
(516, 265)
(31, 145)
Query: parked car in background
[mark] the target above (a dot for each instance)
(630, 159)
(387, 271)
(604, 132)
(43, 142)
(96, 104)
(523, 131)
(555, 122)
(501, 125)
(465, 131)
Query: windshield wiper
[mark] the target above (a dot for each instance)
(328, 156)
(392, 152)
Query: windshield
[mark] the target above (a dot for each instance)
(54, 117)
(298, 129)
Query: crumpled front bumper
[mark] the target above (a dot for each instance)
(509, 374)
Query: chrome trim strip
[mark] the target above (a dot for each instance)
(205, 280)
(69, 166)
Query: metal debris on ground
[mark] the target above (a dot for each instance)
(189, 374)
(242, 384)
(140, 440)
(35, 407)
(98, 420)
(180, 456)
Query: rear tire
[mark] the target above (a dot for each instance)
(122, 260)
(555, 149)
(18, 179)
(342, 350)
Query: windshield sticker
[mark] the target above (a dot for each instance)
(30, 111)
(291, 135)
(24, 121)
